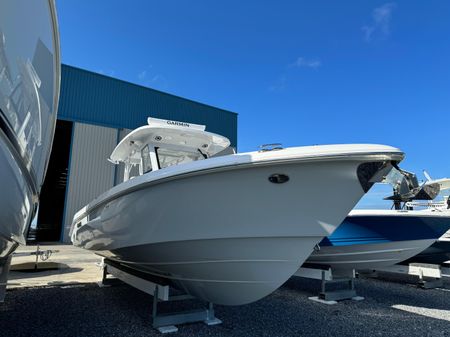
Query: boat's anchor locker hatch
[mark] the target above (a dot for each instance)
(160, 290)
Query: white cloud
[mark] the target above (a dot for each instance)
(368, 31)
(159, 81)
(308, 63)
(142, 75)
(146, 78)
(301, 62)
(381, 23)
(279, 85)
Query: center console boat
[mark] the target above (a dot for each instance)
(229, 229)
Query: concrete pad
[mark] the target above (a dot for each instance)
(66, 265)
(214, 321)
(317, 299)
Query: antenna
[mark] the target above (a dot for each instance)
(425, 173)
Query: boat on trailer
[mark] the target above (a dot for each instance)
(374, 239)
(29, 93)
(228, 229)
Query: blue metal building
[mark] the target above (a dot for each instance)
(95, 113)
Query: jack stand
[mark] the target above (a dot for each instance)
(338, 295)
(160, 290)
(4, 270)
(429, 283)
(165, 323)
(326, 277)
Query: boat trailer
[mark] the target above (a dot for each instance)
(160, 290)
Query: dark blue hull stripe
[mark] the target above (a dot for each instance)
(357, 230)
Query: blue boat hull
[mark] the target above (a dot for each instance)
(379, 240)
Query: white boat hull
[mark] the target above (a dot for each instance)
(29, 94)
(228, 235)
(16, 200)
(368, 256)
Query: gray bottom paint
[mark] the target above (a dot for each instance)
(219, 270)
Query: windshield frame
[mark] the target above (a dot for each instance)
(181, 149)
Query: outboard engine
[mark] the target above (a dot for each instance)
(406, 188)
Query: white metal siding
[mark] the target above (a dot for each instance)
(121, 167)
(90, 174)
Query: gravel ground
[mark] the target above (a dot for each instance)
(391, 308)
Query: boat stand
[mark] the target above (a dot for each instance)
(325, 275)
(4, 270)
(430, 276)
(160, 290)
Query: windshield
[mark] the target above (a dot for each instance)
(146, 163)
(168, 157)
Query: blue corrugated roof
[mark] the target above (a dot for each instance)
(93, 98)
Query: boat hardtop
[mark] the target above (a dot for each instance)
(164, 143)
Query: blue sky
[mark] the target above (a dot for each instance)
(297, 72)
